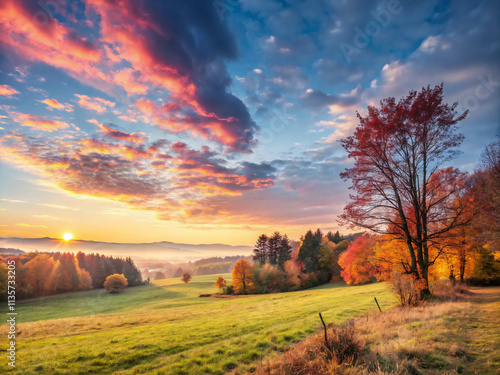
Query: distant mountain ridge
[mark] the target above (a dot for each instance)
(163, 250)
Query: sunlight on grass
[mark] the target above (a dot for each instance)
(167, 328)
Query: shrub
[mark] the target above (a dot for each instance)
(314, 357)
(115, 283)
(345, 347)
(406, 288)
(445, 289)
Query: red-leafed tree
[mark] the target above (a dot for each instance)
(400, 189)
(357, 262)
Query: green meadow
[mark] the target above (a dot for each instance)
(166, 328)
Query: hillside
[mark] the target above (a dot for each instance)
(167, 327)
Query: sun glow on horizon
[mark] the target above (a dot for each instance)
(67, 236)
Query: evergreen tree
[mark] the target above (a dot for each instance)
(273, 248)
(337, 237)
(131, 273)
(310, 249)
(260, 253)
(285, 251)
(330, 236)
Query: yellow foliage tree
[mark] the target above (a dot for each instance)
(115, 283)
(242, 278)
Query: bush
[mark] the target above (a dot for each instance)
(406, 288)
(115, 283)
(343, 343)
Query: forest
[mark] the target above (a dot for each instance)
(39, 274)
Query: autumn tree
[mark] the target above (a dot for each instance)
(292, 274)
(67, 273)
(220, 283)
(115, 283)
(391, 256)
(186, 277)
(399, 151)
(358, 261)
(39, 269)
(3, 280)
(485, 190)
(242, 277)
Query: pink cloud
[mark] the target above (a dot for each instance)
(38, 122)
(128, 79)
(53, 103)
(96, 104)
(6, 90)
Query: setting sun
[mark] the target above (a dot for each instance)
(67, 236)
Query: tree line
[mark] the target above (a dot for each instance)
(40, 274)
(277, 268)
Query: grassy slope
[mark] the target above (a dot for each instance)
(167, 329)
(450, 337)
(460, 337)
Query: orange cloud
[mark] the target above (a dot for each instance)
(6, 90)
(141, 176)
(38, 122)
(53, 103)
(94, 104)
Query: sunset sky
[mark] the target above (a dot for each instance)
(214, 121)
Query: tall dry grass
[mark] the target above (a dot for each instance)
(395, 342)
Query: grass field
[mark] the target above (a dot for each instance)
(167, 329)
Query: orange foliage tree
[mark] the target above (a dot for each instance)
(390, 256)
(242, 278)
(220, 283)
(358, 261)
(115, 283)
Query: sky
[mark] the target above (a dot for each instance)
(213, 121)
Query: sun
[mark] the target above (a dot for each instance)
(67, 236)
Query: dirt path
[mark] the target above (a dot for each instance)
(483, 330)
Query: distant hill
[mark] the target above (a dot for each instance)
(3, 250)
(164, 250)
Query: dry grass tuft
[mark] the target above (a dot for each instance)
(401, 341)
(315, 356)
(446, 290)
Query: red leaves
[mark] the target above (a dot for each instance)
(399, 149)
(357, 261)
